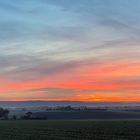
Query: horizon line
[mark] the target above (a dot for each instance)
(70, 101)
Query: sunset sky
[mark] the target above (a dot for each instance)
(81, 50)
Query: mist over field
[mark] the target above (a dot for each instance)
(69, 69)
(19, 104)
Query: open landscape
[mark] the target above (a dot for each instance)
(59, 110)
(45, 121)
(69, 130)
(69, 69)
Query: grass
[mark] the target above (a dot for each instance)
(69, 130)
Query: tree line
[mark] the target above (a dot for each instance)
(4, 115)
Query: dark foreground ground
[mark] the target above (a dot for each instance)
(89, 114)
(69, 130)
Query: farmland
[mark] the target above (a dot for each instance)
(89, 114)
(69, 130)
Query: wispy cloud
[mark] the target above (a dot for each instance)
(67, 49)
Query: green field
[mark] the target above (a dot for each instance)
(69, 130)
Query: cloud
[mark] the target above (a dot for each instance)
(119, 25)
(68, 49)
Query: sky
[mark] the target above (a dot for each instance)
(75, 50)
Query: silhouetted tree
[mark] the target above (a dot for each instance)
(4, 113)
(29, 114)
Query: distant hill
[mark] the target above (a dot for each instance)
(64, 103)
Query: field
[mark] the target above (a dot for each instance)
(69, 130)
(89, 114)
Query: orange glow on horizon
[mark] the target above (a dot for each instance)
(99, 79)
